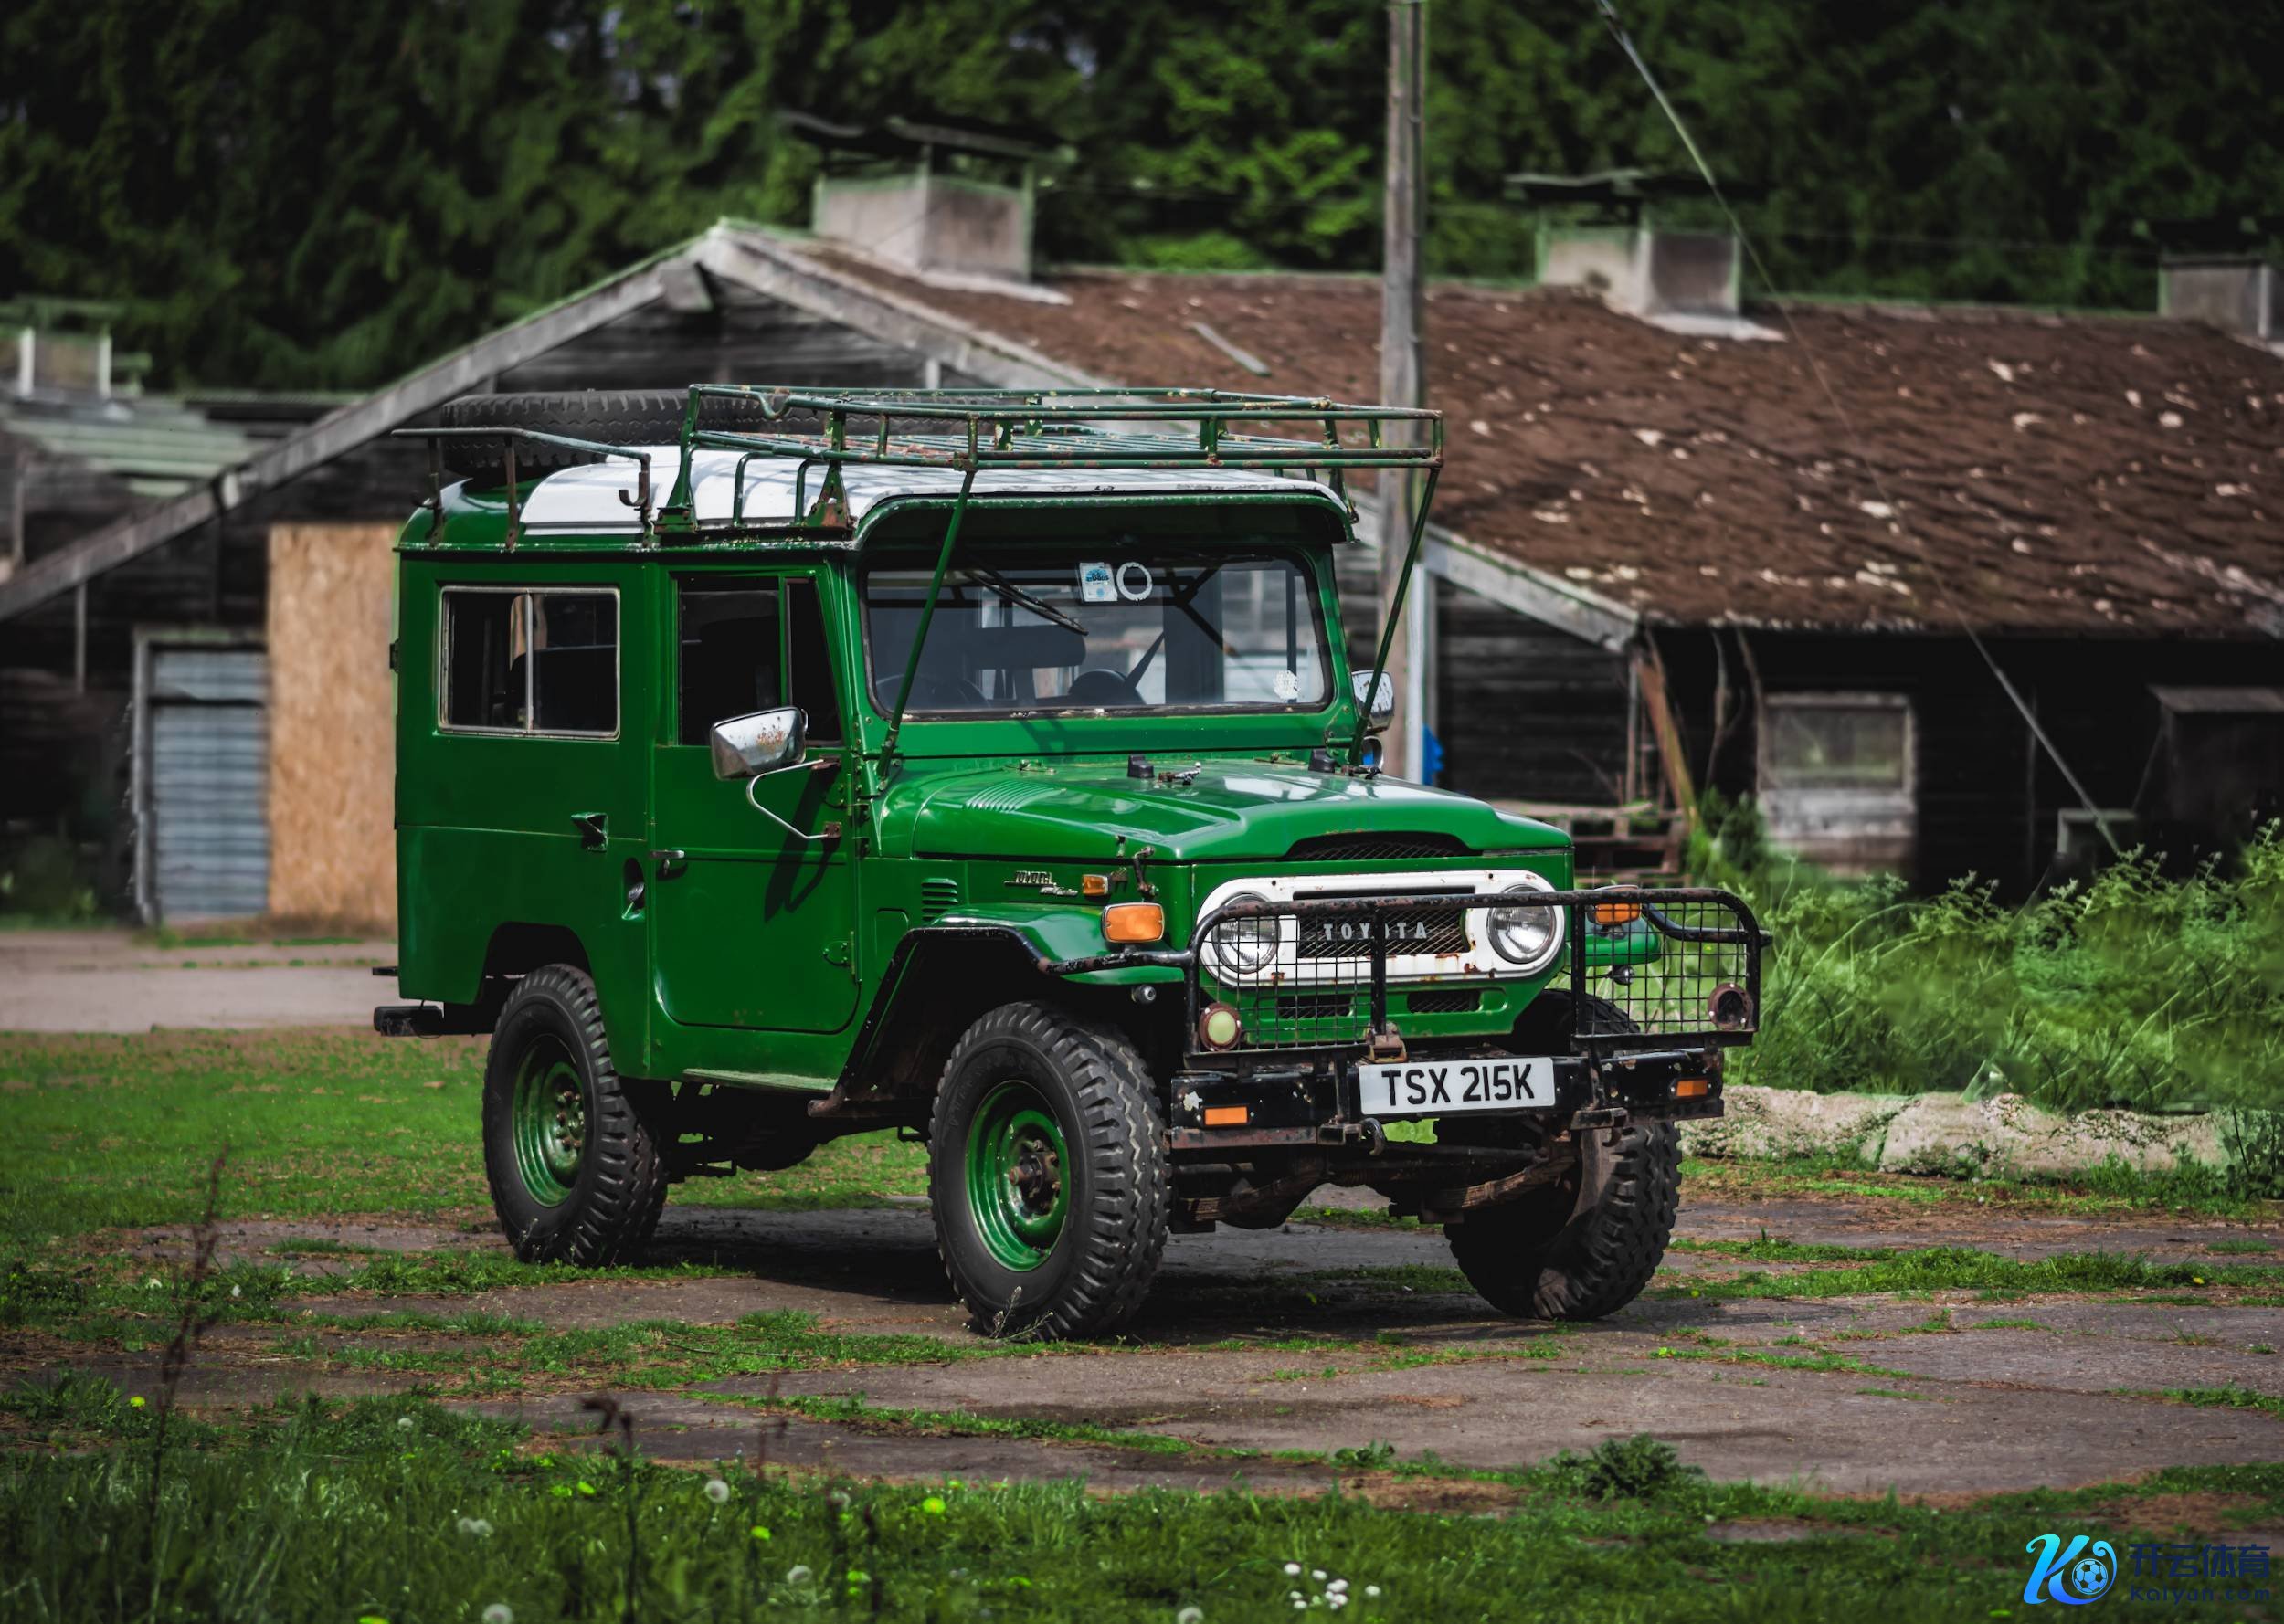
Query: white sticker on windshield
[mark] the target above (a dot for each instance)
(1134, 581)
(1096, 586)
(1288, 684)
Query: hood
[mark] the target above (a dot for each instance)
(1232, 809)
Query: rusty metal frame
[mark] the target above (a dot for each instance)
(1747, 934)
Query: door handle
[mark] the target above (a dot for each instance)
(669, 858)
(594, 830)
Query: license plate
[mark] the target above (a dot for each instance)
(1443, 1088)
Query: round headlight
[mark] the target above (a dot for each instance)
(1529, 938)
(1245, 946)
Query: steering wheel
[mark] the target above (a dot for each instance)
(1102, 686)
(931, 693)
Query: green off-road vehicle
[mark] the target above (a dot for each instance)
(774, 765)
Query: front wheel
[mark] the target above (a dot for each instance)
(576, 1163)
(1583, 1249)
(1047, 1174)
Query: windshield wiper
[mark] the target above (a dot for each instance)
(1037, 606)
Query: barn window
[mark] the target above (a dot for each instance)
(519, 661)
(1836, 780)
(1847, 742)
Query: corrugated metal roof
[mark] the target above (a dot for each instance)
(156, 445)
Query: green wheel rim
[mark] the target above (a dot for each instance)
(547, 1119)
(1018, 1174)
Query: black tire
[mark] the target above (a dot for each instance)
(1118, 1203)
(613, 416)
(1583, 1249)
(603, 1209)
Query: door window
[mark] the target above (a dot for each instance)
(732, 655)
(809, 662)
(754, 646)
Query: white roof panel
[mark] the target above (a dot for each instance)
(587, 498)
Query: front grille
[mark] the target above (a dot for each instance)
(1411, 933)
(1315, 1006)
(1398, 846)
(1455, 1002)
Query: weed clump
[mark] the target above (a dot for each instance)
(1637, 1468)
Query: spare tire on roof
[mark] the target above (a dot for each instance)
(613, 416)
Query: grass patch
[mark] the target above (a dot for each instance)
(2223, 1398)
(2074, 999)
(397, 1509)
(1958, 1269)
(116, 1132)
(1766, 1249)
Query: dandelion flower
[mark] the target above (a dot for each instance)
(798, 1575)
(499, 1612)
(1292, 1570)
(933, 1505)
(717, 1491)
(1190, 1615)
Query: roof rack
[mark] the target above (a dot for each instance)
(971, 431)
(974, 430)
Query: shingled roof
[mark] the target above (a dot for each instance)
(2037, 474)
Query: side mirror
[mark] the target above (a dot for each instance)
(1379, 708)
(748, 746)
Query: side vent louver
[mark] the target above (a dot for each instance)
(937, 897)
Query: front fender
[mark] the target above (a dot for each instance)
(1055, 935)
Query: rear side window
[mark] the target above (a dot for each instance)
(521, 661)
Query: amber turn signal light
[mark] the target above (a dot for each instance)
(1227, 1116)
(1692, 1088)
(1093, 885)
(1616, 913)
(1134, 922)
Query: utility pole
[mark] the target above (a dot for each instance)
(1401, 384)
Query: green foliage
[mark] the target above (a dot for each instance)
(398, 1510)
(326, 195)
(2134, 989)
(1637, 1468)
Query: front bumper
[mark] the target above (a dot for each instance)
(1317, 1104)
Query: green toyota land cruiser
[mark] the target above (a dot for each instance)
(775, 765)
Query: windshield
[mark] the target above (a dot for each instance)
(1105, 628)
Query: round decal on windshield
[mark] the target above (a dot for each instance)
(1134, 581)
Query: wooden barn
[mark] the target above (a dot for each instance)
(2016, 581)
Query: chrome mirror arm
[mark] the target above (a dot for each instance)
(831, 831)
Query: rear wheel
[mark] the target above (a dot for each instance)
(1046, 1175)
(573, 1153)
(1584, 1248)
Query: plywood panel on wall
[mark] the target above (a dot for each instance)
(331, 726)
